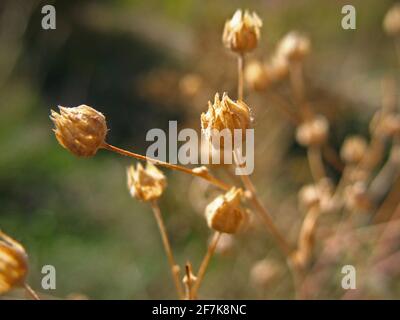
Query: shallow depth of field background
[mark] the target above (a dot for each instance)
(129, 60)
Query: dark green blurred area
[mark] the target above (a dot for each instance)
(76, 214)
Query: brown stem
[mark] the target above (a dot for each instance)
(206, 260)
(202, 174)
(173, 265)
(240, 75)
(188, 283)
(316, 163)
(31, 292)
(263, 213)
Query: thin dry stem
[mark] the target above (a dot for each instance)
(168, 250)
(240, 61)
(316, 164)
(206, 260)
(31, 292)
(204, 175)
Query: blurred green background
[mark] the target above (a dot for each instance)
(127, 59)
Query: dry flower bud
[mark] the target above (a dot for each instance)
(225, 244)
(81, 130)
(264, 272)
(385, 124)
(256, 76)
(357, 198)
(225, 114)
(319, 196)
(278, 68)
(391, 22)
(224, 213)
(313, 132)
(294, 46)
(146, 184)
(353, 149)
(13, 263)
(242, 32)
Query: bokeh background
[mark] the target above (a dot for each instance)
(143, 63)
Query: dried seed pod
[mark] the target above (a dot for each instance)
(264, 272)
(294, 46)
(224, 213)
(357, 197)
(81, 130)
(242, 32)
(313, 132)
(225, 244)
(391, 22)
(277, 68)
(353, 149)
(385, 124)
(256, 76)
(13, 263)
(224, 114)
(145, 184)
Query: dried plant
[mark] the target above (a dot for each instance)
(366, 177)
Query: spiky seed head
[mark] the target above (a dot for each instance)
(13, 263)
(145, 184)
(294, 46)
(242, 32)
(81, 130)
(224, 213)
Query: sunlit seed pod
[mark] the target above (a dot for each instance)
(224, 114)
(13, 263)
(357, 197)
(256, 76)
(225, 244)
(385, 124)
(224, 213)
(294, 46)
(391, 22)
(277, 68)
(81, 130)
(242, 32)
(146, 184)
(313, 132)
(264, 273)
(353, 149)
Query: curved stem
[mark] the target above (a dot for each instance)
(204, 174)
(173, 265)
(205, 262)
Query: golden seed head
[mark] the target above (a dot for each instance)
(264, 272)
(225, 114)
(242, 32)
(13, 263)
(256, 76)
(81, 130)
(294, 46)
(313, 132)
(353, 149)
(391, 22)
(224, 213)
(145, 184)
